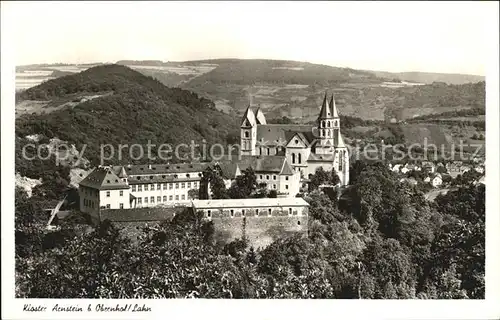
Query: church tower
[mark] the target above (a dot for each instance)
(325, 129)
(341, 161)
(248, 131)
(335, 122)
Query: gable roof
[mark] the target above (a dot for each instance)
(280, 134)
(320, 157)
(262, 164)
(122, 173)
(103, 178)
(286, 170)
(228, 169)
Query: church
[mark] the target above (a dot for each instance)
(304, 147)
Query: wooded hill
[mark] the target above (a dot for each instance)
(139, 109)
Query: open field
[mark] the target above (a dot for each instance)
(39, 107)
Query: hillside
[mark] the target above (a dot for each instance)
(294, 89)
(127, 108)
(430, 77)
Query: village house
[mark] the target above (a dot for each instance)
(429, 166)
(456, 168)
(434, 179)
(411, 181)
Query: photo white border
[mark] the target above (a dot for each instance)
(261, 309)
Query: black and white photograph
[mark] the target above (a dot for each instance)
(226, 154)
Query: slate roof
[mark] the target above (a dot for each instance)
(228, 169)
(262, 164)
(160, 179)
(103, 178)
(286, 169)
(325, 109)
(259, 116)
(165, 168)
(276, 164)
(250, 116)
(320, 157)
(334, 107)
(275, 134)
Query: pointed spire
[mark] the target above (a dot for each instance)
(340, 142)
(325, 109)
(334, 107)
(248, 116)
(259, 116)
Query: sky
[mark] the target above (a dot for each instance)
(405, 36)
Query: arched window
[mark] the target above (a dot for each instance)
(328, 124)
(322, 124)
(327, 133)
(300, 157)
(336, 123)
(293, 157)
(247, 134)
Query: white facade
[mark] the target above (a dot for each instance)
(166, 193)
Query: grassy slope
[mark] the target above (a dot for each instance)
(297, 91)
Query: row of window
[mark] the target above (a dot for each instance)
(268, 150)
(108, 206)
(335, 124)
(258, 212)
(108, 193)
(159, 199)
(88, 203)
(268, 177)
(151, 187)
(90, 192)
(297, 158)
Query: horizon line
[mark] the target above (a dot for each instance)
(247, 59)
